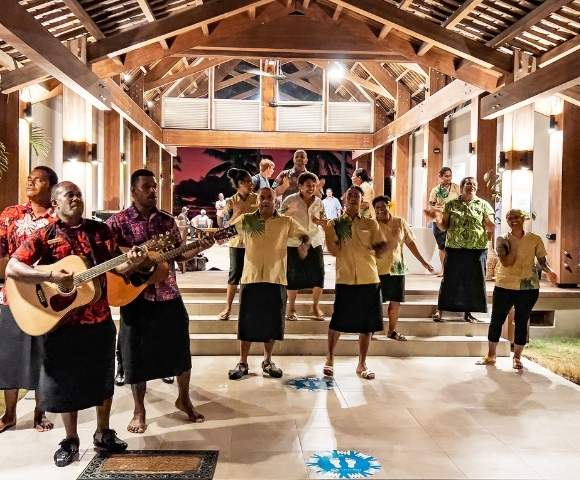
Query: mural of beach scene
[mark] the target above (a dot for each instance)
(199, 175)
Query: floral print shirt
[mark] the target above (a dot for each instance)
(522, 275)
(92, 240)
(467, 223)
(397, 233)
(17, 223)
(131, 228)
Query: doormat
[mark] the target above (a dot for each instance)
(152, 465)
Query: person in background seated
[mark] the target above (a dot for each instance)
(391, 264)
(332, 205)
(78, 361)
(220, 207)
(517, 284)
(444, 192)
(20, 354)
(355, 241)
(265, 234)
(201, 220)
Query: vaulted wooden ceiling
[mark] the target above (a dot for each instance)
(381, 43)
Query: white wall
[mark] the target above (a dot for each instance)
(541, 175)
(456, 156)
(48, 116)
(418, 179)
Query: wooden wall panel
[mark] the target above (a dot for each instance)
(112, 161)
(153, 162)
(564, 208)
(401, 159)
(378, 170)
(9, 120)
(167, 181)
(137, 150)
(485, 148)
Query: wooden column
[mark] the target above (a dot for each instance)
(401, 158)
(484, 140)
(136, 150)
(136, 89)
(9, 123)
(112, 161)
(564, 208)
(378, 170)
(167, 181)
(268, 85)
(433, 137)
(153, 162)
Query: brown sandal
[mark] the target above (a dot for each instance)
(517, 364)
(394, 335)
(224, 316)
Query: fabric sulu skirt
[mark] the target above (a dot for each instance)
(357, 309)
(463, 285)
(262, 312)
(392, 288)
(307, 272)
(154, 339)
(20, 354)
(236, 265)
(78, 367)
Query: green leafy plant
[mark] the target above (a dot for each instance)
(253, 225)
(3, 160)
(343, 229)
(40, 142)
(492, 181)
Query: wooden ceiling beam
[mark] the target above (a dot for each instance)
(7, 61)
(19, 29)
(161, 69)
(560, 51)
(291, 140)
(150, 17)
(558, 76)
(535, 16)
(173, 25)
(203, 65)
(410, 24)
(382, 77)
(86, 20)
(22, 77)
(456, 93)
(571, 95)
(462, 12)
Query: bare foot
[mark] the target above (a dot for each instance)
(6, 423)
(187, 408)
(137, 424)
(225, 315)
(41, 423)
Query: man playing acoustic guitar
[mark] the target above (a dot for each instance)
(79, 357)
(154, 334)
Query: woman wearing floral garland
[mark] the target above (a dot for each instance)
(444, 192)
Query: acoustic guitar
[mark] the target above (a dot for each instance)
(122, 290)
(39, 308)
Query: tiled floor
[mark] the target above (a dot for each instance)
(421, 418)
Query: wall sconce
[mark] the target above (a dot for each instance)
(123, 161)
(423, 163)
(28, 112)
(436, 150)
(502, 161)
(526, 160)
(553, 123)
(445, 130)
(471, 147)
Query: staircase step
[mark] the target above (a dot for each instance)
(316, 344)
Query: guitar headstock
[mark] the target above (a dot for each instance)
(162, 242)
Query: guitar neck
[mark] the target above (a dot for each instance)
(176, 252)
(97, 270)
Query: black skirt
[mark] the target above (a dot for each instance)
(154, 339)
(236, 265)
(463, 285)
(20, 355)
(307, 272)
(357, 309)
(78, 368)
(392, 288)
(262, 312)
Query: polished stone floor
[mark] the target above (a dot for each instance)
(421, 418)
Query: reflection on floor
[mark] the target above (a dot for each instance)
(421, 418)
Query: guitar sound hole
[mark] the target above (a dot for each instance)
(60, 302)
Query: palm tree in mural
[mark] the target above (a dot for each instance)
(234, 158)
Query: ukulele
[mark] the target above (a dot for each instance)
(39, 308)
(122, 290)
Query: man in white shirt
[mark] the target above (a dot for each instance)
(332, 206)
(306, 209)
(201, 220)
